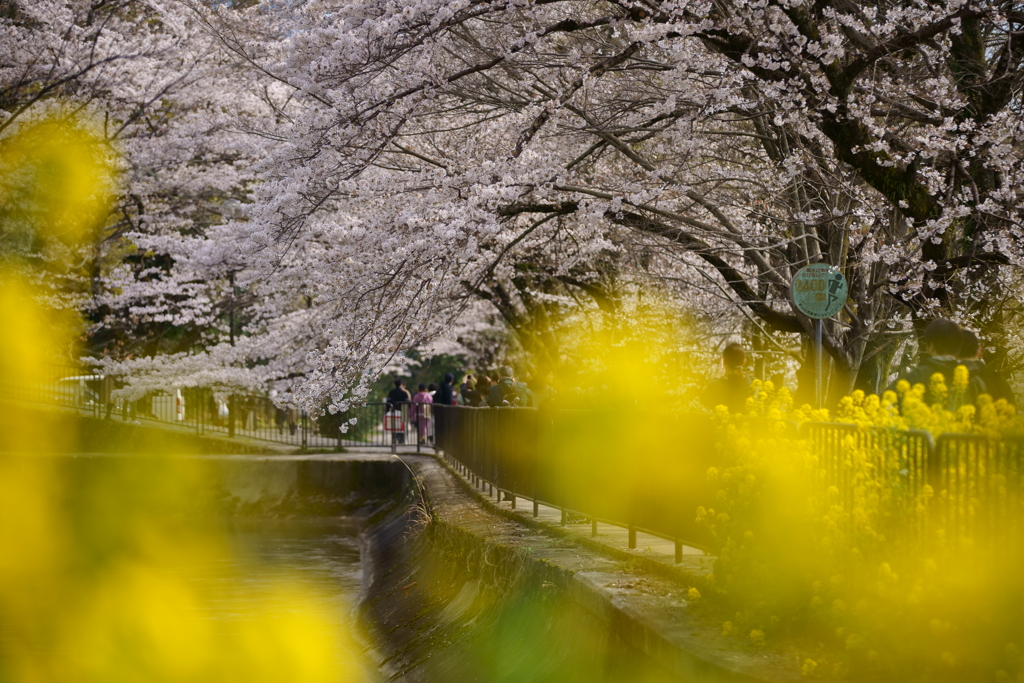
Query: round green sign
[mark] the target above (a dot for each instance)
(819, 290)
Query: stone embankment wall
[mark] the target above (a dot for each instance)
(454, 592)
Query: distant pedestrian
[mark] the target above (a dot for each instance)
(507, 392)
(421, 402)
(293, 421)
(397, 399)
(445, 395)
(732, 388)
(432, 389)
(942, 340)
(971, 353)
(483, 388)
(398, 396)
(469, 396)
(107, 387)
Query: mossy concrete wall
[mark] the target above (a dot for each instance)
(456, 593)
(224, 485)
(326, 485)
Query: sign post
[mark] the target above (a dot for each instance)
(819, 291)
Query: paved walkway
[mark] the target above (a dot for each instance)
(695, 561)
(616, 537)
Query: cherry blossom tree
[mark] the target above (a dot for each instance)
(442, 143)
(176, 112)
(401, 162)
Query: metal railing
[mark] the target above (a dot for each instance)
(200, 410)
(894, 462)
(594, 474)
(587, 464)
(978, 485)
(207, 411)
(584, 462)
(388, 425)
(966, 488)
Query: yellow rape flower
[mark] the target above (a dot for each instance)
(960, 378)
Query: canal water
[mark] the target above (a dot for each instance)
(312, 557)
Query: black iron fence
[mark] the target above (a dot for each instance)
(228, 414)
(387, 425)
(957, 489)
(207, 411)
(648, 471)
(642, 471)
(608, 466)
(978, 487)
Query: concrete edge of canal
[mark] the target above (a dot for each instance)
(446, 576)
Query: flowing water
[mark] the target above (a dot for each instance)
(317, 557)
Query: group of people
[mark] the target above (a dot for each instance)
(475, 392)
(946, 344)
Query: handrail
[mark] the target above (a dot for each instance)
(514, 451)
(201, 410)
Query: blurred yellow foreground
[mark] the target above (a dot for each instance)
(96, 563)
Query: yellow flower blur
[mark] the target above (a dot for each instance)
(96, 567)
(849, 540)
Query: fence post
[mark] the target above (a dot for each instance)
(305, 430)
(632, 537)
(231, 416)
(679, 551)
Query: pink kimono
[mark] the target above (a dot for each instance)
(422, 414)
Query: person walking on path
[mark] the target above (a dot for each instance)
(544, 392)
(421, 402)
(468, 382)
(996, 385)
(469, 396)
(394, 421)
(941, 341)
(507, 392)
(483, 388)
(445, 395)
(398, 396)
(731, 389)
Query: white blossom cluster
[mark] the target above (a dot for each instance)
(402, 162)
